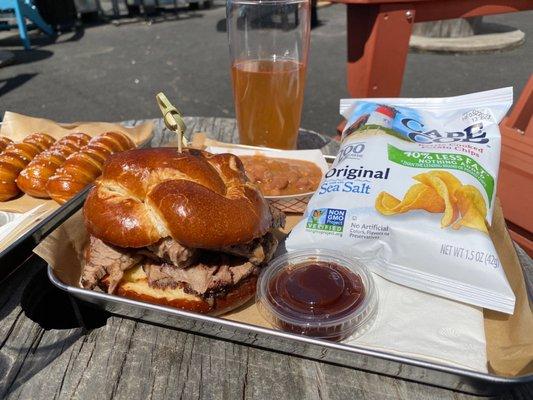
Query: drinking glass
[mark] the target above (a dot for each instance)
(268, 42)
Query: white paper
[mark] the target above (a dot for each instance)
(426, 327)
(8, 221)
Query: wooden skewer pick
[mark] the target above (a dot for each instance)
(173, 119)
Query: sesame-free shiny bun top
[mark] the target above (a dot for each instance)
(199, 199)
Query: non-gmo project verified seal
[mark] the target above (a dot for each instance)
(326, 220)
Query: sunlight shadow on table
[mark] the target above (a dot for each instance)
(52, 308)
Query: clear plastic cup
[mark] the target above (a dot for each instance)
(268, 43)
(317, 293)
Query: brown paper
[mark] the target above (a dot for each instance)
(509, 339)
(63, 249)
(17, 127)
(25, 203)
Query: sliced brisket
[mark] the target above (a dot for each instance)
(102, 259)
(172, 252)
(202, 278)
(258, 251)
(169, 264)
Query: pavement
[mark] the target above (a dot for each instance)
(111, 72)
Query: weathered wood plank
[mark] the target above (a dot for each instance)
(46, 353)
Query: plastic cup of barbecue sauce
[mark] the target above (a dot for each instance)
(317, 293)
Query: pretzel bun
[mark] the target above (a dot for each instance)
(84, 166)
(32, 179)
(199, 199)
(4, 142)
(14, 159)
(134, 285)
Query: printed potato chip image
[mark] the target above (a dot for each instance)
(451, 182)
(418, 197)
(472, 207)
(440, 192)
(445, 184)
(387, 204)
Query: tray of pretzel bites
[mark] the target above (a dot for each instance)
(44, 169)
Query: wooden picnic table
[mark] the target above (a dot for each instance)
(46, 353)
(378, 33)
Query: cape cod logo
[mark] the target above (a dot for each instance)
(471, 134)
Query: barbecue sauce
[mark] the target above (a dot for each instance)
(316, 290)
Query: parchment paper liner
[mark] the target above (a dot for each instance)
(509, 338)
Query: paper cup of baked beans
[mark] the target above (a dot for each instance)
(287, 178)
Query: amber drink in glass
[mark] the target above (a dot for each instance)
(269, 43)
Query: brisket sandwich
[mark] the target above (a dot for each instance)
(186, 230)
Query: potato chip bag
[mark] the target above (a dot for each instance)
(411, 194)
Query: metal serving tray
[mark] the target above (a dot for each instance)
(458, 379)
(349, 356)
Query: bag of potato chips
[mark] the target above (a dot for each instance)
(411, 193)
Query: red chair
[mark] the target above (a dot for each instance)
(515, 183)
(378, 33)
